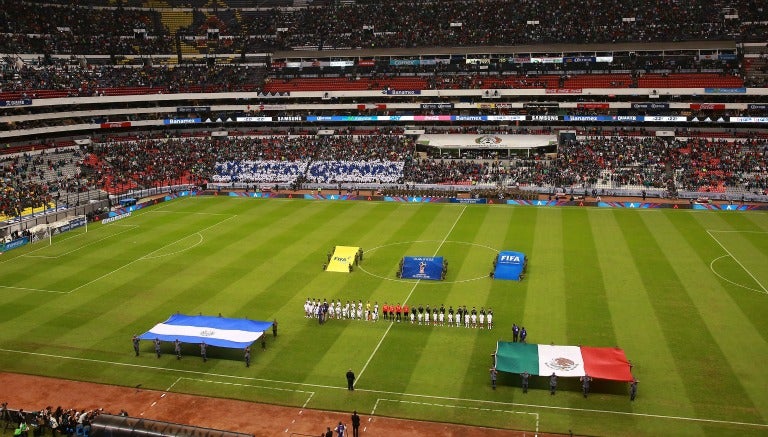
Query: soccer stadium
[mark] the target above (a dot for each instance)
(379, 217)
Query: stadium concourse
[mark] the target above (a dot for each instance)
(35, 393)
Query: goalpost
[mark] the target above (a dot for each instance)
(48, 230)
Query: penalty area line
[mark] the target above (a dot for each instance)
(149, 255)
(765, 291)
(40, 290)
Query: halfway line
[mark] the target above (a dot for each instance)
(365, 366)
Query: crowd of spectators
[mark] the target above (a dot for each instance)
(695, 164)
(653, 163)
(383, 23)
(314, 159)
(36, 180)
(91, 80)
(123, 165)
(453, 172)
(36, 18)
(506, 22)
(75, 78)
(57, 421)
(147, 163)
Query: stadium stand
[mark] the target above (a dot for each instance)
(57, 49)
(328, 25)
(642, 163)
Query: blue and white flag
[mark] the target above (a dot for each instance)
(213, 331)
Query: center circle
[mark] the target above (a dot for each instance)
(442, 243)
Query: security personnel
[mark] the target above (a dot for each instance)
(585, 384)
(633, 389)
(552, 383)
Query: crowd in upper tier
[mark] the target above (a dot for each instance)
(32, 27)
(76, 80)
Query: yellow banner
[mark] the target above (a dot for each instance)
(342, 258)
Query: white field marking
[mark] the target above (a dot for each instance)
(131, 227)
(732, 231)
(174, 383)
(490, 410)
(712, 268)
(199, 241)
(147, 255)
(163, 394)
(381, 340)
(307, 401)
(362, 268)
(711, 234)
(310, 393)
(237, 384)
(382, 392)
(137, 213)
(9, 287)
(165, 211)
(415, 284)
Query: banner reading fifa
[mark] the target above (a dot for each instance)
(509, 265)
(423, 267)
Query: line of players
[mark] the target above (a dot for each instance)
(400, 313)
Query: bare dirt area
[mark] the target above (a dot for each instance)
(33, 393)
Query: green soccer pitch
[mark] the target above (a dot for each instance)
(682, 292)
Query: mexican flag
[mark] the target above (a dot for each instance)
(542, 359)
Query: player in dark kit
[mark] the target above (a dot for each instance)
(442, 315)
(135, 341)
